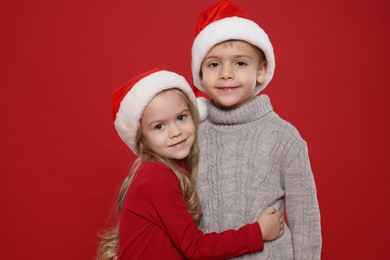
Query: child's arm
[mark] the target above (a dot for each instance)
(303, 216)
(166, 198)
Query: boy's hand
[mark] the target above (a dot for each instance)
(271, 224)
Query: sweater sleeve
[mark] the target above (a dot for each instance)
(303, 215)
(164, 193)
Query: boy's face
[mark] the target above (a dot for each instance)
(230, 72)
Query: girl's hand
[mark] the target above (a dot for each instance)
(271, 224)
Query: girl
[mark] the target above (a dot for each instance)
(156, 116)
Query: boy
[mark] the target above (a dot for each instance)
(250, 158)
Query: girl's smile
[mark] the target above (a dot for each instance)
(167, 125)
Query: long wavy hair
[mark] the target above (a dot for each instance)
(109, 243)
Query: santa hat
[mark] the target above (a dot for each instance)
(130, 100)
(225, 21)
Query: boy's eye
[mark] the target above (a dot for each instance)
(213, 64)
(241, 63)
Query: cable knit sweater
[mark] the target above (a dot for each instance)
(252, 159)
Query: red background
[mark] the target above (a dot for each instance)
(61, 161)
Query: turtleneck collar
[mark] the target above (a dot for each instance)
(250, 111)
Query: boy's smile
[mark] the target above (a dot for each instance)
(226, 88)
(230, 72)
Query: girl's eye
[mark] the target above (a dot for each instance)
(159, 126)
(182, 117)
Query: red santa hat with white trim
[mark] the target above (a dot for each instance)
(225, 21)
(130, 100)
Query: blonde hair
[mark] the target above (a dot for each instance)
(109, 244)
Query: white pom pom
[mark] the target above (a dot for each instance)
(202, 108)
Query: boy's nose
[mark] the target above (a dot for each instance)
(226, 73)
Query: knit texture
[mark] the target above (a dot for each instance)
(252, 159)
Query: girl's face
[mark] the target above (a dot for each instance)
(230, 72)
(167, 126)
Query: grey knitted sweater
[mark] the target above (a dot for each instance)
(251, 159)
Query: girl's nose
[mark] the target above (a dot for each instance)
(175, 131)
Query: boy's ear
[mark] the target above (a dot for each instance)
(261, 73)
